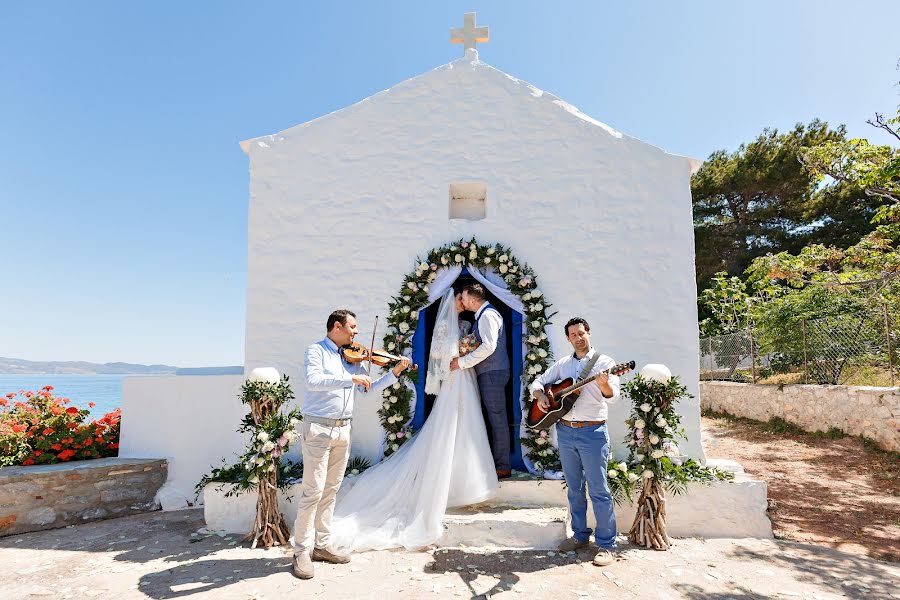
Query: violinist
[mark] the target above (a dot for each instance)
(324, 434)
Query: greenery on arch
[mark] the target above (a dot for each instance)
(397, 400)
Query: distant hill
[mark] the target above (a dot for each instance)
(17, 366)
(211, 371)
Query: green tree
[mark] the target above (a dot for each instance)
(728, 305)
(857, 164)
(761, 199)
(826, 305)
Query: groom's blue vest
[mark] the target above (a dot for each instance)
(498, 361)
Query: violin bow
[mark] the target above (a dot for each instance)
(372, 348)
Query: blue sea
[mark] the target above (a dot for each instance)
(103, 390)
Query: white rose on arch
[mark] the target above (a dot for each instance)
(658, 373)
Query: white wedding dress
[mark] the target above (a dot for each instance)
(401, 501)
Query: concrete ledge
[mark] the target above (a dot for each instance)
(236, 514)
(520, 528)
(49, 496)
(721, 510)
(532, 513)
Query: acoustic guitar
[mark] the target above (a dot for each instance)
(563, 395)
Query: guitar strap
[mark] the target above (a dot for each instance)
(587, 368)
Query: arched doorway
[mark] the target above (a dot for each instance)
(421, 346)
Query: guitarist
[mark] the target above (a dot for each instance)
(584, 440)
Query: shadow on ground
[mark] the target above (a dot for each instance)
(506, 565)
(136, 538)
(206, 575)
(853, 575)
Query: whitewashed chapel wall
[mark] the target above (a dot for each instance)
(191, 421)
(341, 206)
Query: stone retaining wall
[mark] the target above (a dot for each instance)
(873, 412)
(50, 496)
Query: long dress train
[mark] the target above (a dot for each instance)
(401, 501)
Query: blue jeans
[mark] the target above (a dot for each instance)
(584, 453)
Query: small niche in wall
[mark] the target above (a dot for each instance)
(468, 201)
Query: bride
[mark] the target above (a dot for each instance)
(401, 501)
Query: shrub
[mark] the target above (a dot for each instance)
(41, 429)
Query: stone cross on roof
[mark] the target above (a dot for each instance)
(468, 35)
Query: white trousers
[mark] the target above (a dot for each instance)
(326, 450)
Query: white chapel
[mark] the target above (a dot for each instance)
(341, 206)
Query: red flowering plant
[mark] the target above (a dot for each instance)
(38, 428)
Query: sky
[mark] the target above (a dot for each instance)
(123, 191)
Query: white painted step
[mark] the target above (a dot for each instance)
(531, 512)
(506, 526)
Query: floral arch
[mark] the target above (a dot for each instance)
(519, 280)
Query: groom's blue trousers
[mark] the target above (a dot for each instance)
(492, 385)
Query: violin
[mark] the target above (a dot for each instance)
(357, 353)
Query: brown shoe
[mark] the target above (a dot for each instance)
(329, 556)
(504, 473)
(572, 544)
(605, 557)
(302, 566)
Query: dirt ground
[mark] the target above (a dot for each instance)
(839, 493)
(156, 556)
(825, 492)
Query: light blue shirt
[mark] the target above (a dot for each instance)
(329, 382)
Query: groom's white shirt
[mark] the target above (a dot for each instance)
(489, 330)
(329, 382)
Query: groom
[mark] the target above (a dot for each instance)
(491, 365)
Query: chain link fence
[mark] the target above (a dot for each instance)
(847, 349)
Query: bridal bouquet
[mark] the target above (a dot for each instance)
(467, 344)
